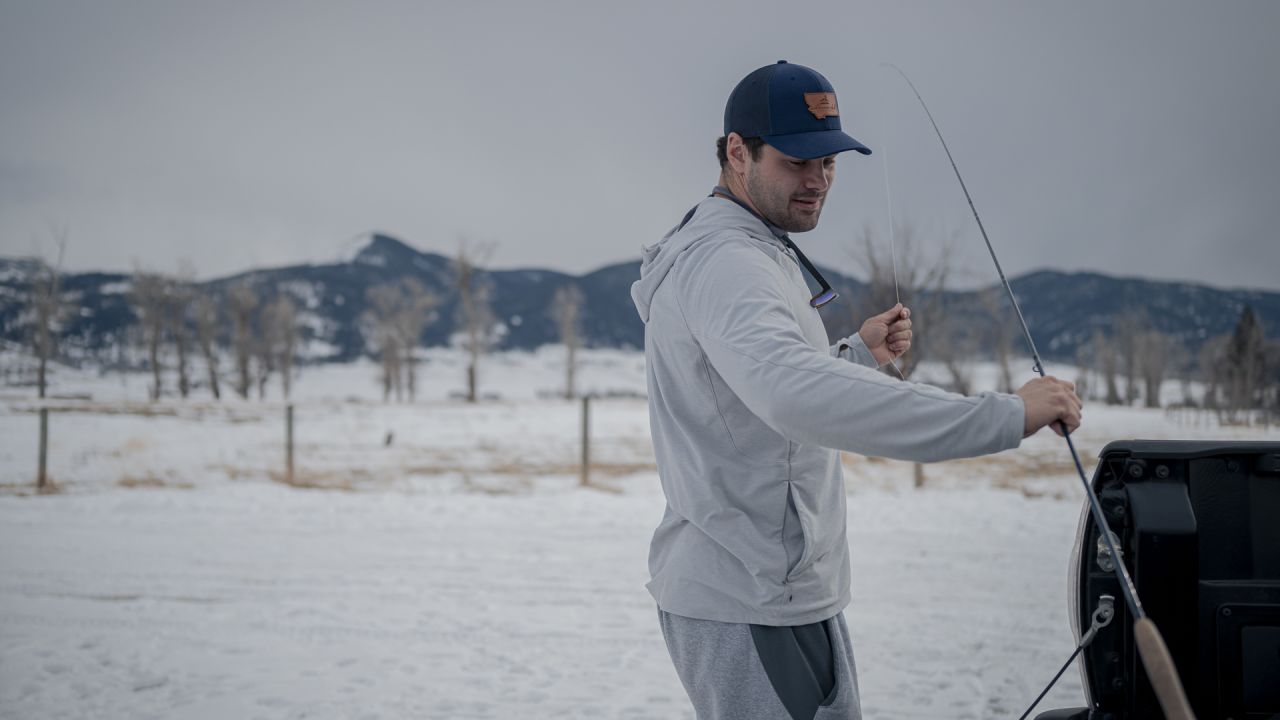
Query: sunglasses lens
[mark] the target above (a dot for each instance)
(823, 298)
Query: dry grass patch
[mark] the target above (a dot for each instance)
(596, 469)
(437, 469)
(622, 469)
(232, 472)
(1034, 474)
(503, 486)
(27, 489)
(150, 481)
(140, 409)
(321, 480)
(526, 469)
(1025, 465)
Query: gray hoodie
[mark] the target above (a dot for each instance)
(748, 405)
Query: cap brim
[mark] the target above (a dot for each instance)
(810, 145)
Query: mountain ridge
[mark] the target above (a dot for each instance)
(1062, 308)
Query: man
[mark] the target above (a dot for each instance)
(749, 405)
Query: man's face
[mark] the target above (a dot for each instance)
(789, 192)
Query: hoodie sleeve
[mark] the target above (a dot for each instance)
(733, 298)
(854, 350)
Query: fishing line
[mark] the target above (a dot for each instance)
(893, 244)
(888, 196)
(1101, 618)
(1151, 646)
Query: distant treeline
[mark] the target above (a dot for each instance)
(1128, 337)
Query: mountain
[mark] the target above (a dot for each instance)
(1062, 309)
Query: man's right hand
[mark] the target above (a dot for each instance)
(1048, 400)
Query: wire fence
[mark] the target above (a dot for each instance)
(491, 447)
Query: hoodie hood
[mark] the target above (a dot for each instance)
(713, 216)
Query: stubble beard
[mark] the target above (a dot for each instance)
(776, 207)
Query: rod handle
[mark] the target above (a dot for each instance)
(1161, 671)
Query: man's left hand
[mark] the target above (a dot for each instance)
(888, 335)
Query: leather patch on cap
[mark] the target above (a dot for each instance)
(821, 104)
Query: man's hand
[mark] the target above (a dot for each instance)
(1047, 401)
(888, 335)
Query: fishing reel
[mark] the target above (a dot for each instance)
(1197, 525)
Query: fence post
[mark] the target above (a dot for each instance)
(288, 443)
(586, 440)
(42, 479)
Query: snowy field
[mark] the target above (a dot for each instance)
(438, 560)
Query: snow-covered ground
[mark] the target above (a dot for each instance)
(458, 571)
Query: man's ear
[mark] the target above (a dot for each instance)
(736, 150)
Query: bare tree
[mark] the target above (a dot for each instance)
(205, 314)
(566, 308)
(264, 364)
(384, 303)
(921, 283)
(1153, 356)
(1106, 353)
(1084, 371)
(264, 351)
(280, 337)
(47, 310)
(1129, 328)
(392, 372)
(955, 349)
(241, 301)
(398, 313)
(1001, 335)
(181, 294)
(1184, 364)
(150, 299)
(1213, 371)
(475, 317)
(413, 317)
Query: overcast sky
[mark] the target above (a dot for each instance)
(1134, 138)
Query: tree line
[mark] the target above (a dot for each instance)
(1232, 374)
(253, 330)
(176, 318)
(242, 335)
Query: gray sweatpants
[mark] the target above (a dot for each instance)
(750, 672)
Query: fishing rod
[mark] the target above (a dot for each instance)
(1151, 646)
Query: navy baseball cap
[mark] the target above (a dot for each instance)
(791, 107)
